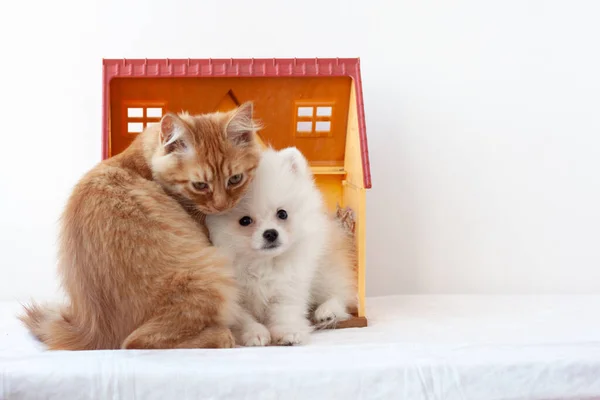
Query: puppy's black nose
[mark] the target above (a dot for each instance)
(270, 235)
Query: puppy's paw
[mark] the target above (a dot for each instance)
(256, 335)
(290, 338)
(330, 312)
(290, 335)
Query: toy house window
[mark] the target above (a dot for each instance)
(313, 119)
(138, 118)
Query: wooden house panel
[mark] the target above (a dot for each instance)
(276, 100)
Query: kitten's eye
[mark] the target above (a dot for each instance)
(200, 186)
(245, 221)
(235, 179)
(282, 214)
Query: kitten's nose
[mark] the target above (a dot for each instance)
(220, 206)
(270, 235)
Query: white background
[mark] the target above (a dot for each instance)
(483, 121)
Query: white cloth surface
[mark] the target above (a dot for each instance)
(416, 347)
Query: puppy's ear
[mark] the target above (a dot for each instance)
(174, 133)
(241, 128)
(296, 160)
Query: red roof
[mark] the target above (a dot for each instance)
(272, 67)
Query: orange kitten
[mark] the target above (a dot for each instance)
(140, 273)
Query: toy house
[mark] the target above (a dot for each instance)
(313, 104)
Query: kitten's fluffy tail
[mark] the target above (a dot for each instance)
(53, 327)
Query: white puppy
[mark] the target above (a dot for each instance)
(290, 256)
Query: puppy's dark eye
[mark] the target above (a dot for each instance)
(235, 179)
(282, 214)
(245, 221)
(200, 186)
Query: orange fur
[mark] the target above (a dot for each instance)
(134, 256)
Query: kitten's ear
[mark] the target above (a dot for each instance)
(174, 135)
(241, 127)
(296, 160)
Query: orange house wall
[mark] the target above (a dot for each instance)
(275, 105)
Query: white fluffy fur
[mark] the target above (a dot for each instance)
(280, 285)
